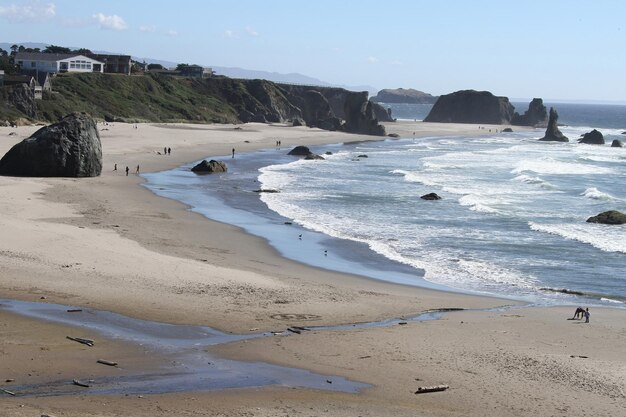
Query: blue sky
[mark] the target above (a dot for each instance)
(574, 50)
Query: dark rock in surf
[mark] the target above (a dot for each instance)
(507, 130)
(608, 217)
(362, 156)
(592, 138)
(617, 143)
(69, 148)
(431, 196)
(553, 134)
(299, 150)
(210, 167)
(313, 156)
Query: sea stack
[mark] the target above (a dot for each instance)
(470, 106)
(69, 148)
(553, 134)
(592, 138)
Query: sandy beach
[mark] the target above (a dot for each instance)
(108, 243)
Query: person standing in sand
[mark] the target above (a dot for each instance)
(127, 171)
(137, 170)
(587, 314)
(233, 152)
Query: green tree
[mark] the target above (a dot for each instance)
(82, 51)
(155, 67)
(54, 49)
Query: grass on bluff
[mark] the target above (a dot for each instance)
(136, 98)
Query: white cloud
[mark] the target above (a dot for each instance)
(113, 22)
(229, 33)
(251, 31)
(147, 28)
(171, 32)
(28, 11)
(372, 59)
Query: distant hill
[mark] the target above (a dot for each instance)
(401, 95)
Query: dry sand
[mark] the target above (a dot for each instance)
(108, 243)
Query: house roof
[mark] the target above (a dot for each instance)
(17, 79)
(40, 56)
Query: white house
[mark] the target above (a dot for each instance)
(56, 63)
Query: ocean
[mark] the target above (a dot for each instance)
(511, 221)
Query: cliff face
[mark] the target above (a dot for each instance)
(470, 106)
(401, 95)
(19, 100)
(160, 98)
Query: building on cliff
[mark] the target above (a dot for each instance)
(55, 63)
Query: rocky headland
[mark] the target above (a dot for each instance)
(405, 96)
(471, 106)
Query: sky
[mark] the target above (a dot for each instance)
(567, 50)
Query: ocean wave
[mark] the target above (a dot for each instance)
(595, 194)
(598, 236)
(475, 203)
(552, 166)
(417, 177)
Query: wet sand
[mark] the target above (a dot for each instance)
(110, 244)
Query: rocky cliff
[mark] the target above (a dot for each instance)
(401, 95)
(536, 115)
(18, 100)
(470, 106)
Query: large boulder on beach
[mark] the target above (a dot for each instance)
(536, 115)
(553, 134)
(608, 217)
(210, 167)
(617, 143)
(592, 138)
(69, 148)
(470, 106)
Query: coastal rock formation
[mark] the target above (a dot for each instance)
(401, 95)
(300, 150)
(507, 130)
(608, 217)
(21, 98)
(431, 196)
(313, 156)
(382, 114)
(316, 111)
(210, 167)
(470, 106)
(592, 138)
(69, 148)
(552, 131)
(617, 143)
(360, 117)
(536, 115)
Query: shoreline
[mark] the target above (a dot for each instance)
(109, 243)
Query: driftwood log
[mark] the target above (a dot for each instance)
(105, 362)
(434, 388)
(87, 342)
(80, 383)
(6, 391)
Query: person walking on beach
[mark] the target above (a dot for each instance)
(127, 171)
(579, 312)
(165, 151)
(115, 167)
(137, 170)
(233, 152)
(169, 151)
(587, 314)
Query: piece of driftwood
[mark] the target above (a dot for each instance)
(402, 323)
(87, 342)
(300, 328)
(292, 330)
(6, 391)
(105, 362)
(74, 310)
(434, 388)
(80, 383)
